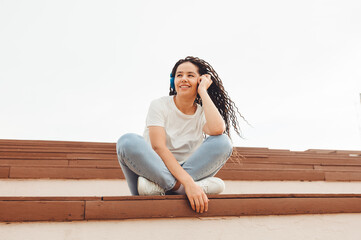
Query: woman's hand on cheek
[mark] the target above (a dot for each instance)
(204, 82)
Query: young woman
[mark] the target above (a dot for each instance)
(173, 156)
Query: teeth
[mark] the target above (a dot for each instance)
(184, 86)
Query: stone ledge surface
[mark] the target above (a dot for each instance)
(21, 209)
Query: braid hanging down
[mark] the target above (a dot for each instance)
(217, 93)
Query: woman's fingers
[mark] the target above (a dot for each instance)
(191, 201)
(199, 204)
(196, 201)
(205, 81)
(205, 200)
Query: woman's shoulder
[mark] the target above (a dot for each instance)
(162, 101)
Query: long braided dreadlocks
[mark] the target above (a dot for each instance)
(216, 92)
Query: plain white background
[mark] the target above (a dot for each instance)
(83, 70)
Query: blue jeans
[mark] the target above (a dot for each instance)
(137, 158)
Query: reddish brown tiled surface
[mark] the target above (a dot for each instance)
(343, 176)
(272, 175)
(4, 172)
(15, 209)
(65, 172)
(88, 160)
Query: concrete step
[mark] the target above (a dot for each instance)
(284, 227)
(114, 187)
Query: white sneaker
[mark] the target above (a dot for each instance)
(211, 185)
(147, 188)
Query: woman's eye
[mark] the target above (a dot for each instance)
(190, 76)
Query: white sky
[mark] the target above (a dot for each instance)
(83, 70)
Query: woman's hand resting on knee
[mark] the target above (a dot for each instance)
(197, 198)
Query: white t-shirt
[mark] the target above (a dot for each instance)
(183, 132)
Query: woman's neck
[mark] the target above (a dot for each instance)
(185, 105)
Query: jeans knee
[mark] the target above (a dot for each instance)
(127, 141)
(223, 144)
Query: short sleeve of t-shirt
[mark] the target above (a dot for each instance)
(156, 114)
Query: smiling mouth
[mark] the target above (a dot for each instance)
(184, 86)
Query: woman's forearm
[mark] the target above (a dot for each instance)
(196, 196)
(214, 119)
(173, 166)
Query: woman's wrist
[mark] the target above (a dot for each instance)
(186, 180)
(202, 92)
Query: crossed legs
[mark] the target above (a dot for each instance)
(137, 158)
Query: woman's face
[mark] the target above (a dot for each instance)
(186, 79)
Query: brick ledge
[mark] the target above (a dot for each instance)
(21, 209)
